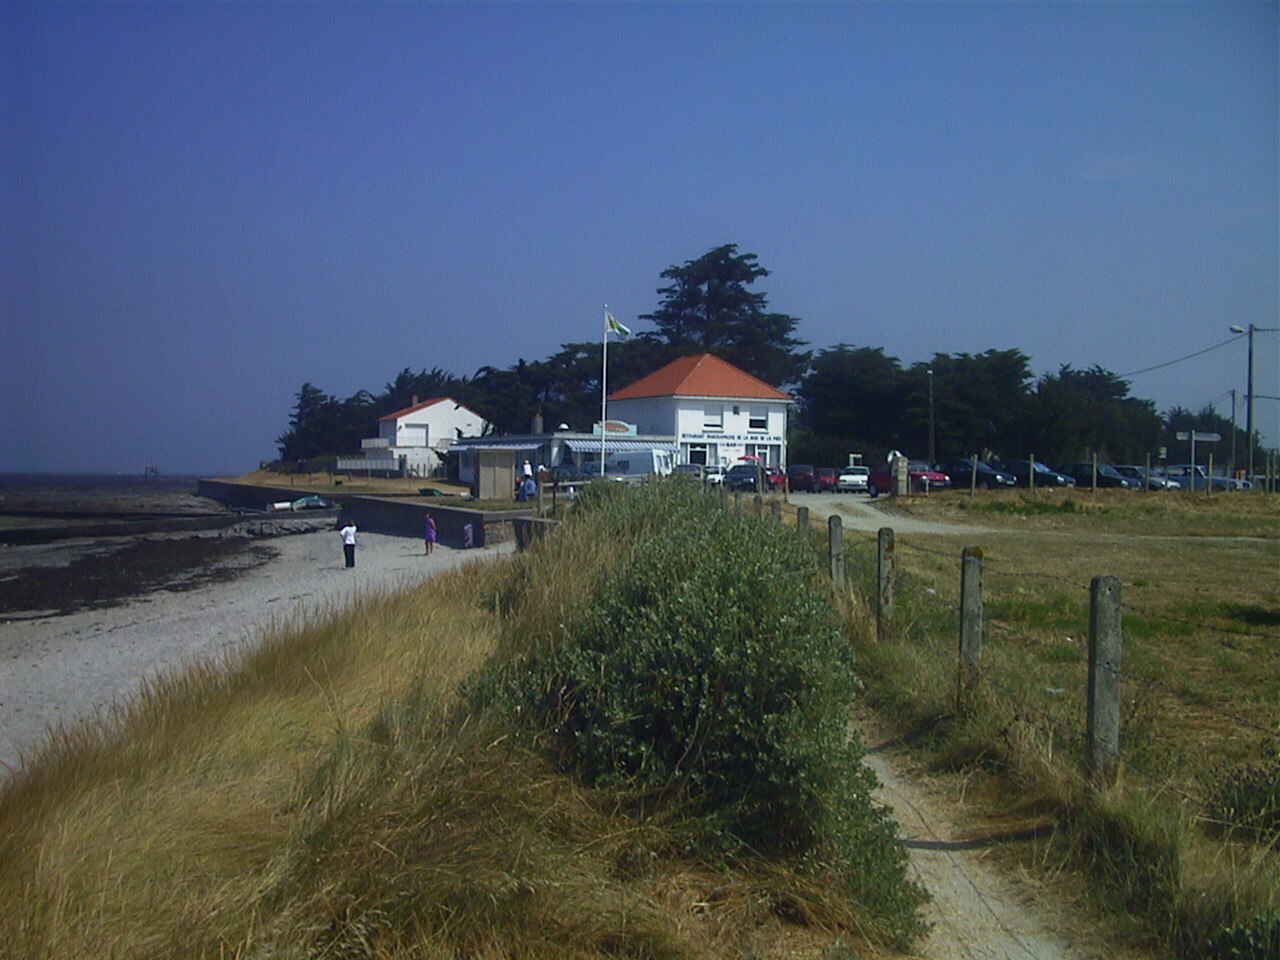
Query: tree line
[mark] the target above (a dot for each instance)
(849, 397)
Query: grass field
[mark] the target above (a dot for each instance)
(1200, 676)
(332, 795)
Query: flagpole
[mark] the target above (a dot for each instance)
(604, 385)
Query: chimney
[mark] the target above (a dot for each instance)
(415, 401)
(537, 423)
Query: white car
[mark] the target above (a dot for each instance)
(712, 474)
(852, 480)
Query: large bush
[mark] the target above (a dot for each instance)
(707, 666)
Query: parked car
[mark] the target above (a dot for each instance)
(1152, 479)
(775, 478)
(567, 475)
(1044, 476)
(852, 480)
(965, 473)
(691, 470)
(1196, 477)
(802, 476)
(1108, 476)
(742, 476)
(713, 473)
(825, 479)
(920, 477)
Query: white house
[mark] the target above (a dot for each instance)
(415, 440)
(715, 412)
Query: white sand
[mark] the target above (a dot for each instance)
(60, 669)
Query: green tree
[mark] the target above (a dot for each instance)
(1078, 413)
(424, 385)
(324, 426)
(707, 308)
(851, 399)
(980, 403)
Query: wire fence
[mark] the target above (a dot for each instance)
(1173, 737)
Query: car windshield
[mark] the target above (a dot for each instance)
(919, 465)
(855, 471)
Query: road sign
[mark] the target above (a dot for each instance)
(1199, 436)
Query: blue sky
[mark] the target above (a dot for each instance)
(202, 206)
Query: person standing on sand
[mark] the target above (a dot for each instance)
(348, 534)
(429, 533)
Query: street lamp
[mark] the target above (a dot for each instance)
(932, 458)
(1248, 390)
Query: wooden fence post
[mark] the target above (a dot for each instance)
(775, 508)
(835, 549)
(970, 624)
(759, 502)
(886, 562)
(1102, 722)
(802, 522)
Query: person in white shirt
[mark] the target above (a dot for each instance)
(348, 534)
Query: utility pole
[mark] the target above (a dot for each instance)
(1248, 390)
(932, 458)
(1233, 432)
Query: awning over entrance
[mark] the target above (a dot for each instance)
(619, 446)
(499, 445)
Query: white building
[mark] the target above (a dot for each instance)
(715, 412)
(414, 441)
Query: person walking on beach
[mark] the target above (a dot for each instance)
(348, 534)
(429, 533)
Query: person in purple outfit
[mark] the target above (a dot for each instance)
(429, 533)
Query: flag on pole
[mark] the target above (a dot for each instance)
(611, 325)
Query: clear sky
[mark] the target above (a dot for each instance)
(202, 206)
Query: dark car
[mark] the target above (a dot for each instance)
(743, 476)
(920, 477)
(1044, 477)
(1151, 479)
(568, 475)
(825, 479)
(802, 476)
(1108, 476)
(965, 473)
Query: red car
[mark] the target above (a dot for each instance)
(920, 477)
(825, 479)
(774, 478)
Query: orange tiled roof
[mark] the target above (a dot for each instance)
(415, 408)
(701, 376)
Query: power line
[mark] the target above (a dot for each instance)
(1169, 363)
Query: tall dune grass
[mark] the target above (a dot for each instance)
(330, 794)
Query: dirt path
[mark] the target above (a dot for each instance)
(982, 908)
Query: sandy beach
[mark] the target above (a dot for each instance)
(60, 668)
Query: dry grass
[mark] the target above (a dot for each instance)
(1201, 589)
(329, 796)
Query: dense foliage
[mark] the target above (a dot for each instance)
(705, 669)
(851, 398)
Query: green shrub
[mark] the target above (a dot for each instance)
(710, 668)
(1248, 799)
(1259, 939)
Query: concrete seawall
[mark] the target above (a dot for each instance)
(398, 516)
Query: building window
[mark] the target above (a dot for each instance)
(713, 418)
(698, 453)
(757, 419)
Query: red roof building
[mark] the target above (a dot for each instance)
(716, 412)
